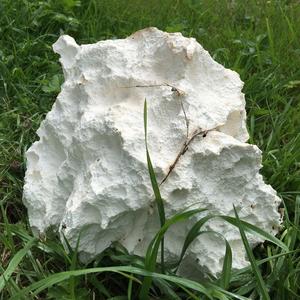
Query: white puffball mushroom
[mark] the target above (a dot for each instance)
(87, 174)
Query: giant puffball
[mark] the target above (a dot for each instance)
(87, 174)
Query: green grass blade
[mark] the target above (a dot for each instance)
(155, 187)
(73, 266)
(11, 284)
(99, 286)
(227, 267)
(159, 202)
(152, 251)
(129, 290)
(262, 261)
(166, 289)
(230, 294)
(51, 280)
(192, 234)
(192, 296)
(254, 229)
(14, 263)
(259, 280)
(194, 231)
(153, 179)
(227, 264)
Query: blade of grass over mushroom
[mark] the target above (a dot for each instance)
(227, 264)
(15, 262)
(194, 232)
(152, 251)
(259, 279)
(155, 186)
(254, 229)
(154, 183)
(159, 201)
(247, 227)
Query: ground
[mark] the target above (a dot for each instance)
(258, 39)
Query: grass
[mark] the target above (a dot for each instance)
(258, 39)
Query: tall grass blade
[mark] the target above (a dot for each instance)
(159, 202)
(155, 186)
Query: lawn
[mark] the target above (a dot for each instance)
(258, 39)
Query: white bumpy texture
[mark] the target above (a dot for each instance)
(88, 172)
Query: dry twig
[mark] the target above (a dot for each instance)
(189, 139)
(183, 149)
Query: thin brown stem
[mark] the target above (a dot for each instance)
(183, 149)
(173, 88)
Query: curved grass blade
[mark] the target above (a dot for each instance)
(227, 264)
(51, 280)
(192, 234)
(152, 251)
(254, 229)
(264, 260)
